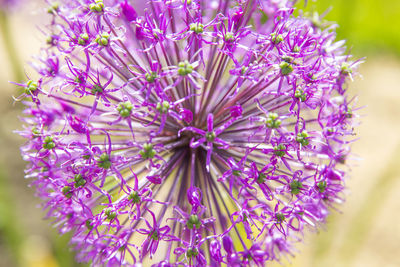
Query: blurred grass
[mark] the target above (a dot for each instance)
(370, 26)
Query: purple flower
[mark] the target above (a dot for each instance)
(190, 133)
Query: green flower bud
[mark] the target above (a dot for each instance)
(151, 77)
(50, 40)
(300, 95)
(210, 136)
(280, 217)
(148, 151)
(111, 215)
(48, 143)
(124, 109)
(104, 161)
(35, 132)
(78, 80)
(236, 173)
(197, 27)
(103, 39)
(154, 235)
(322, 186)
(134, 197)
(229, 37)
(89, 225)
(31, 86)
(276, 38)
(192, 252)
(288, 59)
(245, 217)
(244, 70)
(261, 178)
(302, 138)
(295, 187)
(83, 39)
(43, 171)
(286, 68)
(272, 121)
(97, 89)
(163, 107)
(345, 69)
(296, 49)
(79, 181)
(280, 150)
(67, 191)
(349, 113)
(78, 177)
(54, 8)
(97, 7)
(185, 68)
(193, 221)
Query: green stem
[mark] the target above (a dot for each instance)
(11, 50)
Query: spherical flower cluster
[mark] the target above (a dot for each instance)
(187, 132)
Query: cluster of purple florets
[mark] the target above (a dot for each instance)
(187, 132)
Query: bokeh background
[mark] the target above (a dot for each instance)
(364, 232)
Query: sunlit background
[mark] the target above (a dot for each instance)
(365, 231)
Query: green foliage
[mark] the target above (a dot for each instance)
(368, 26)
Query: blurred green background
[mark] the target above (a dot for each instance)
(364, 232)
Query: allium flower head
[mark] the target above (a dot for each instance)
(187, 132)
